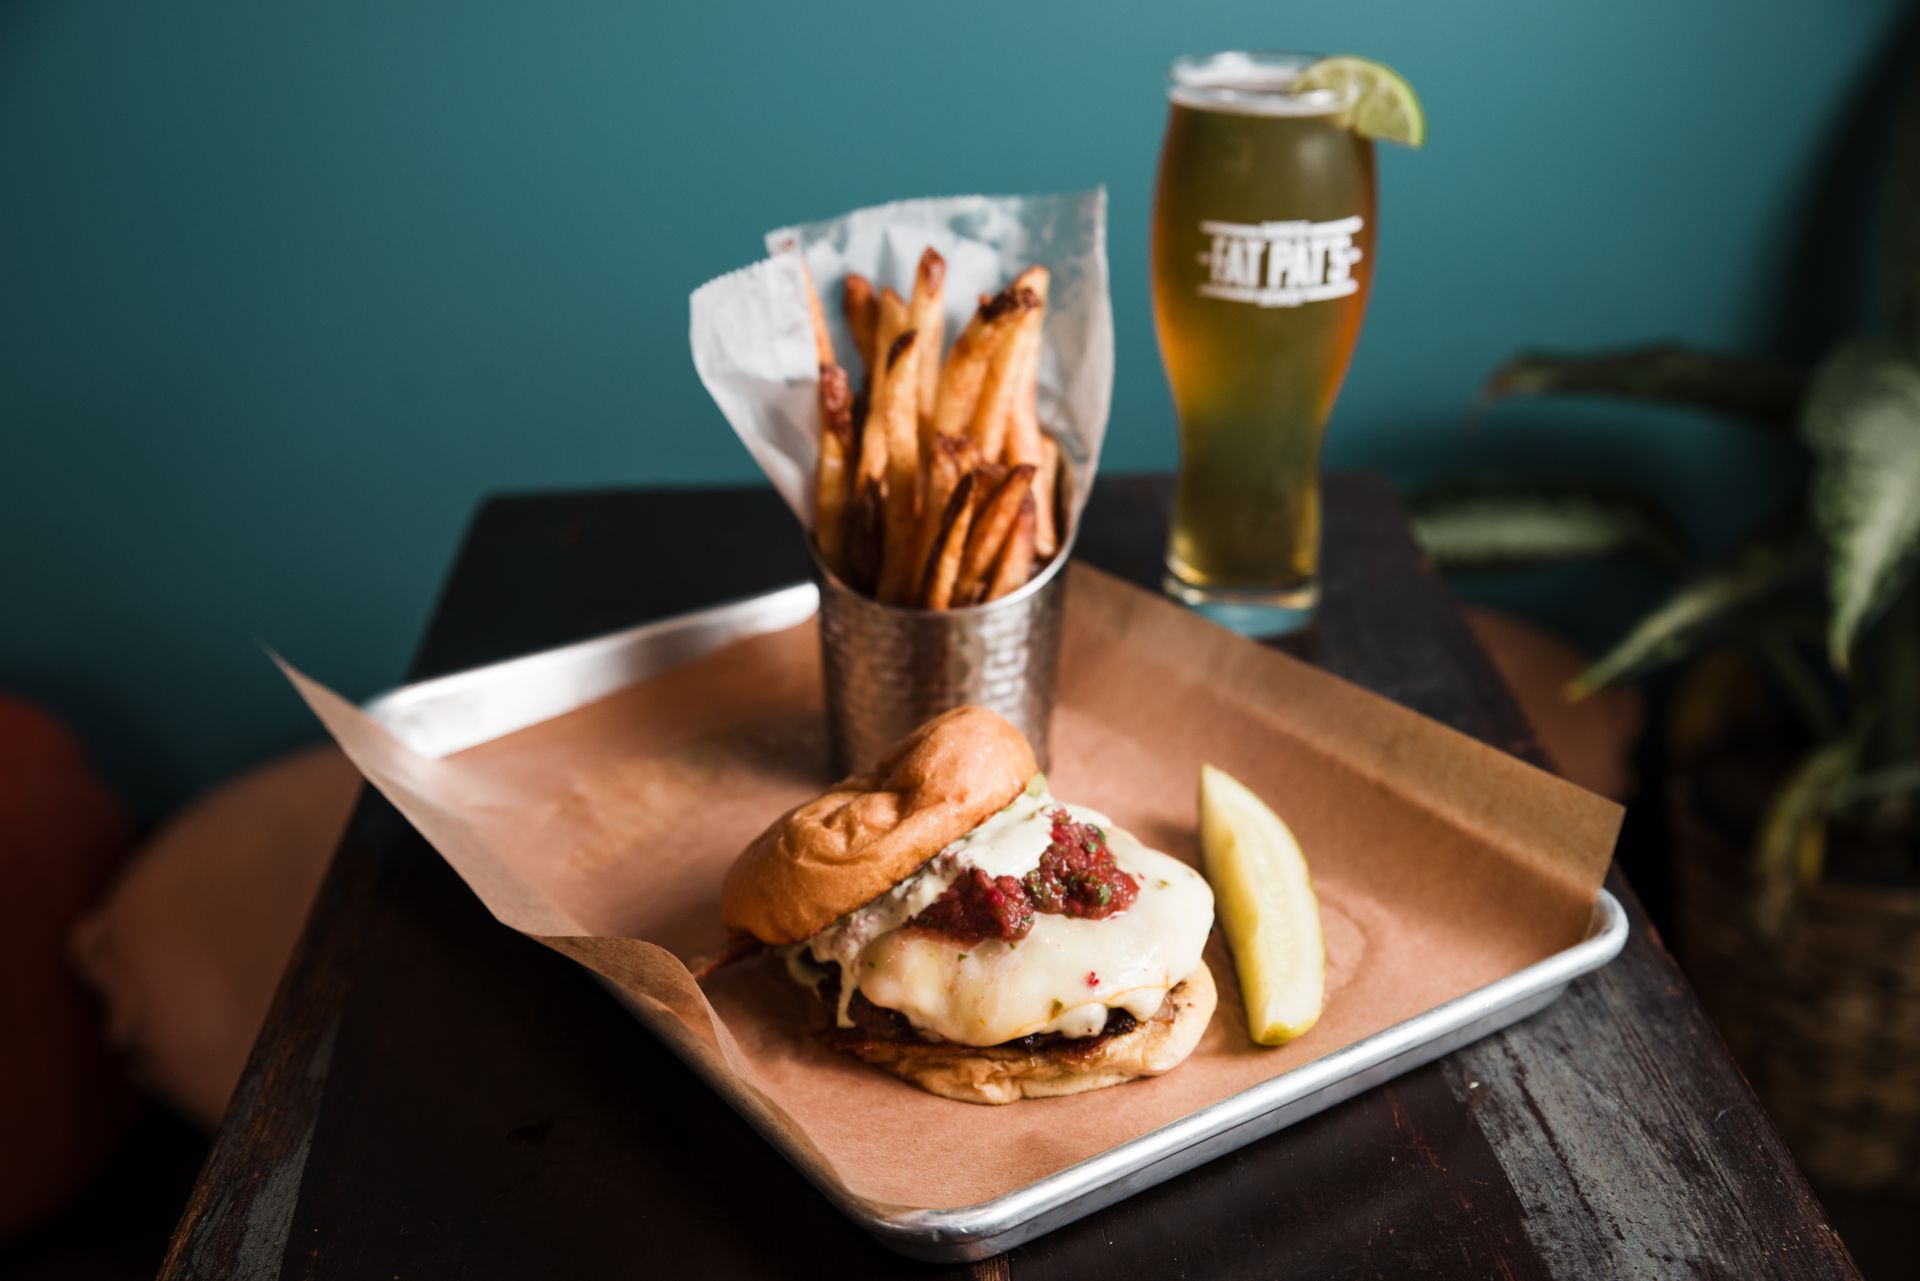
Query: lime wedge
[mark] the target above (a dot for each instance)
(1384, 105)
(1266, 906)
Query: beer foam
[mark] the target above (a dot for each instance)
(1253, 84)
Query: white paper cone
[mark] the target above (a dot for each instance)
(753, 341)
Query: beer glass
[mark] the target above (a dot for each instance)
(1263, 227)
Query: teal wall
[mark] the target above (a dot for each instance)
(284, 292)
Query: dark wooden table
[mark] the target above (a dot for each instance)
(435, 1097)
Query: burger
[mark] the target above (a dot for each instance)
(966, 931)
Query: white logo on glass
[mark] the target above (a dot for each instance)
(1280, 264)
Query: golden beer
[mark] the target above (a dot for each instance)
(1263, 233)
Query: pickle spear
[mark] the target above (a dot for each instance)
(1267, 907)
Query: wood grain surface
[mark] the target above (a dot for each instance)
(435, 1097)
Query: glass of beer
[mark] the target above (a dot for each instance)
(1263, 226)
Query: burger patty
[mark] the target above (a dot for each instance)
(1057, 1065)
(878, 1031)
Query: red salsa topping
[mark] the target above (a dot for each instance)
(976, 907)
(1076, 877)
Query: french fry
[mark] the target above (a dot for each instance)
(966, 367)
(1006, 371)
(947, 463)
(1026, 443)
(855, 453)
(870, 473)
(937, 591)
(830, 474)
(866, 529)
(1023, 429)
(893, 313)
(1036, 278)
(963, 450)
(935, 484)
(893, 415)
(836, 436)
(1015, 566)
(822, 340)
(890, 321)
(992, 526)
(924, 318)
(862, 310)
(990, 475)
(1046, 488)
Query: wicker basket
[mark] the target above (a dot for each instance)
(1823, 1016)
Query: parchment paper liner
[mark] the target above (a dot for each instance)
(1442, 864)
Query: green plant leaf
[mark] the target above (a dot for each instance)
(1759, 390)
(1801, 800)
(1862, 421)
(1894, 780)
(1792, 841)
(1702, 608)
(1517, 522)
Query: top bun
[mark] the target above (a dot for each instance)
(823, 859)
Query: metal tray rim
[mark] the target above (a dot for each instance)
(991, 1218)
(985, 1227)
(959, 1232)
(584, 670)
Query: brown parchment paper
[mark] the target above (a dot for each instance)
(1441, 864)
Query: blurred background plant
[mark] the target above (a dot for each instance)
(1792, 726)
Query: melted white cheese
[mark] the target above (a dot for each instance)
(1012, 841)
(842, 942)
(1062, 977)
(1008, 844)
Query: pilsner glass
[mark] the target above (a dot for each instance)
(1263, 226)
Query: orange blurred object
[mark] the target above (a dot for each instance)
(187, 946)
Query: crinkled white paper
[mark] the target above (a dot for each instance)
(753, 340)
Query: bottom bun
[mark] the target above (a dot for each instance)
(1009, 1073)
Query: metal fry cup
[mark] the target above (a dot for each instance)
(890, 669)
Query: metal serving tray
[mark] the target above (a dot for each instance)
(445, 715)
